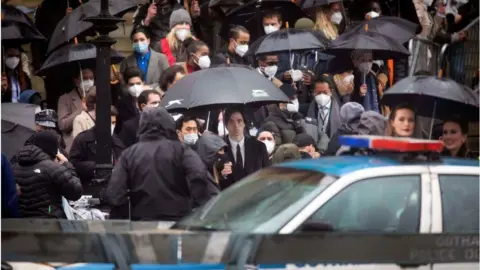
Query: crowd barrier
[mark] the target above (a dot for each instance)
(124, 244)
(425, 55)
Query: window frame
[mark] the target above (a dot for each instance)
(365, 174)
(437, 205)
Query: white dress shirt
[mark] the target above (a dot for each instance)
(324, 115)
(234, 149)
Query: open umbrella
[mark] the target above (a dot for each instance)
(317, 3)
(395, 27)
(288, 40)
(20, 33)
(225, 6)
(18, 124)
(74, 25)
(73, 54)
(221, 87)
(434, 97)
(382, 46)
(250, 16)
(11, 14)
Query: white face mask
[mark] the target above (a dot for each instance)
(270, 29)
(113, 128)
(373, 14)
(348, 79)
(182, 34)
(221, 129)
(297, 75)
(365, 67)
(85, 85)
(190, 139)
(12, 62)
(270, 146)
(293, 106)
(204, 62)
(241, 50)
(336, 18)
(135, 90)
(322, 99)
(270, 71)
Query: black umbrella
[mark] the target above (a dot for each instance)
(18, 124)
(12, 14)
(20, 33)
(221, 87)
(225, 6)
(434, 97)
(382, 46)
(74, 25)
(399, 29)
(317, 3)
(288, 40)
(250, 16)
(73, 54)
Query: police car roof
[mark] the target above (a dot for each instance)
(341, 165)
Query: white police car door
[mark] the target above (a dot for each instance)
(386, 199)
(455, 196)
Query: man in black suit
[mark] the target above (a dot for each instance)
(128, 134)
(248, 154)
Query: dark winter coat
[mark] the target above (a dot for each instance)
(284, 125)
(43, 182)
(162, 179)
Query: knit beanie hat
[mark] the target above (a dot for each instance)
(180, 16)
(47, 141)
(350, 111)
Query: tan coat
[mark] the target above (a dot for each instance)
(69, 106)
(82, 122)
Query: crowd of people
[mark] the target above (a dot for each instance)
(167, 164)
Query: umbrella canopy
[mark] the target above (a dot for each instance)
(225, 6)
(20, 33)
(288, 40)
(74, 25)
(18, 124)
(11, 14)
(399, 29)
(221, 87)
(382, 46)
(440, 96)
(317, 3)
(72, 54)
(250, 16)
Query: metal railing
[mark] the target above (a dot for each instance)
(115, 242)
(425, 55)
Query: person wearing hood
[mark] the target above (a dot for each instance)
(159, 177)
(267, 138)
(17, 79)
(211, 149)
(283, 121)
(44, 176)
(70, 104)
(238, 39)
(350, 114)
(306, 146)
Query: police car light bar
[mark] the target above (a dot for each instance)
(391, 144)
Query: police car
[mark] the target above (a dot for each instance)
(396, 186)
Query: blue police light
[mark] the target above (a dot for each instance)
(355, 141)
(391, 143)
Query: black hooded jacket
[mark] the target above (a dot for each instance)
(163, 179)
(207, 148)
(43, 182)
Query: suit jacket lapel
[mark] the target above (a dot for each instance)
(248, 149)
(229, 152)
(132, 60)
(152, 66)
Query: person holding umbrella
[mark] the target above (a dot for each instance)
(238, 39)
(17, 79)
(70, 104)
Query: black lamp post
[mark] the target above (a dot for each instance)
(104, 23)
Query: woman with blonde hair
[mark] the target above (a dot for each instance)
(172, 45)
(328, 19)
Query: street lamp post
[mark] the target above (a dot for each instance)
(104, 23)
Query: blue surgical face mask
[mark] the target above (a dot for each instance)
(140, 47)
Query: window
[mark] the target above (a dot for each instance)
(459, 203)
(382, 204)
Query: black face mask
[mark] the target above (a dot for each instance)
(220, 161)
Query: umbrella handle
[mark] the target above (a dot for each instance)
(440, 73)
(114, 80)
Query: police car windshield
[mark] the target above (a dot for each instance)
(273, 193)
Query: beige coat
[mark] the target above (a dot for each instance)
(82, 122)
(69, 106)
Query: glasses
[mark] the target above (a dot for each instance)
(262, 139)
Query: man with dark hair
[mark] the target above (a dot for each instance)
(150, 62)
(272, 22)
(249, 154)
(171, 76)
(128, 134)
(188, 129)
(238, 39)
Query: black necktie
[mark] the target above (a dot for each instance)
(239, 158)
